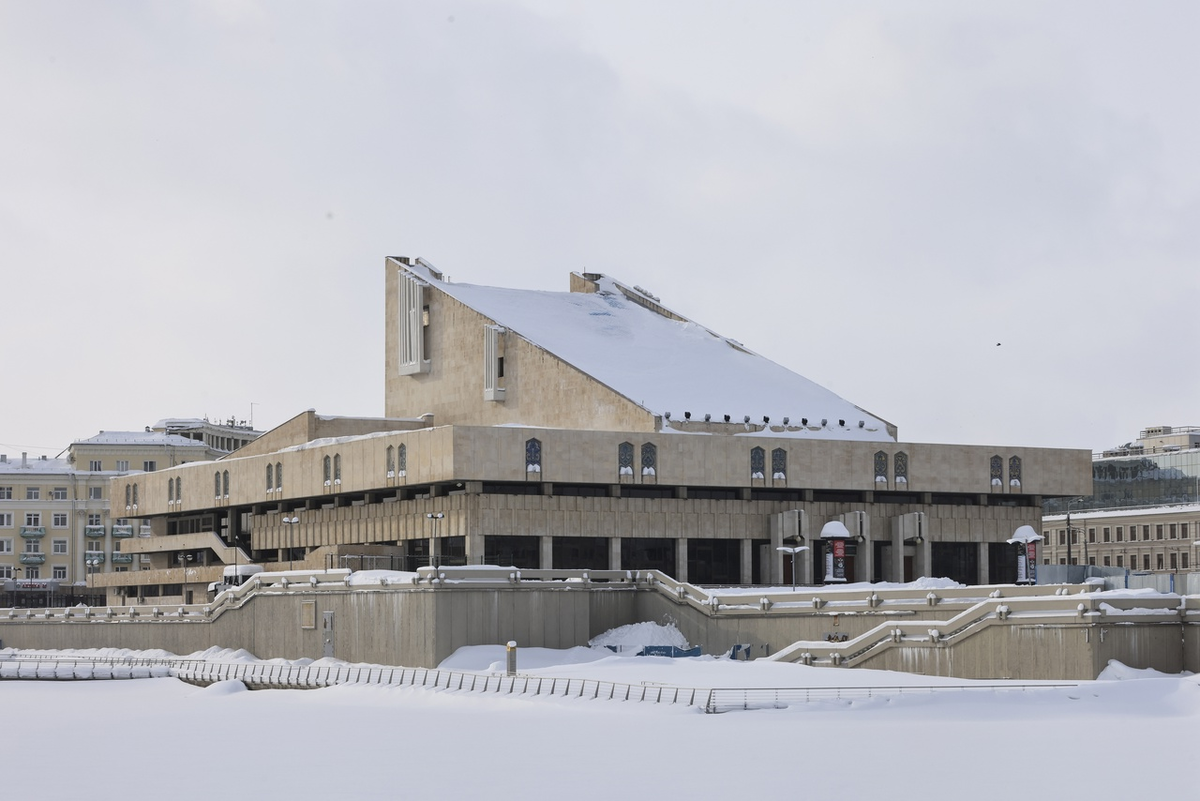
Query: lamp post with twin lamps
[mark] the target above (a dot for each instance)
(433, 547)
(793, 551)
(289, 522)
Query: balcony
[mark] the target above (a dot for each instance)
(93, 531)
(93, 556)
(122, 532)
(33, 532)
(122, 558)
(33, 558)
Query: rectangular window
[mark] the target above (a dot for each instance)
(1174, 534)
(60, 571)
(33, 493)
(33, 573)
(1106, 534)
(58, 494)
(1091, 535)
(58, 546)
(59, 520)
(1146, 560)
(95, 493)
(1062, 538)
(1120, 533)
(1146, 536)
(412, 322)
(6, 545)
(5, 493)
(1074, 536)
(94, 519)
(1183, 560)
(1092, 560)
(33, 519)
(1158, 532)
(1159, 561)
(122, 465)
(6, 571)
(1174, 561)
(1107, 562)
(1183, 530)
(6, 520)
(149, 465)
(95, 466)
(33, 546)
(1120, 560)
(493, 363)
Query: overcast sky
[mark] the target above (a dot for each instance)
(979, 223)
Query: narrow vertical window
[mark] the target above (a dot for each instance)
(217, 484)
(779, 464)
(224, 483)
(128, 496)
(533, 456)
(135, 496)
(270, 477)
(179, 490)
(402, 459)
(327, 470)
(997, 471)
(900, 468)
(881, 468)
(758, 463)
(649, 459)
(1014, 472)
(170, 492)
(625, 459)
(391, 461)
(493, 363)
(279, 476)
(411, 325)
(337, 468)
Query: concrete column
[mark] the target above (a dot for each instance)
(474, 544)
(906, 531)
(547, 561)
(786, 526)
(747, 562)
(435, 550)
(859, 526)
(983, 564)
(614, 553)
(681, 555)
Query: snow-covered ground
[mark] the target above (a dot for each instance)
(117, 739)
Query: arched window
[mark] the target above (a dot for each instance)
(224, 484)
(170, 492)
(779, 464)
(625, 459)
(1014, 472)
(217, 484)
(391, 461)
(337, 468)
(533, 456)
(135, 496)
(128, 496)
(270, 477)
(179, 490)
(327, 470)
(758, 462)
(402, 459)
(881, 467)
(997, 471)
(279, 476)
(649, 459)
(901, 468)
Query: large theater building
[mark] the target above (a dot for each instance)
(594, 428)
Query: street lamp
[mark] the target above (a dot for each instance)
(793, 551)
(1070, 531)
(290, 521)
(433, 549)
(184, 558)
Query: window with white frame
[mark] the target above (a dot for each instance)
(493, 363)
(58, 546)
(6, 571)
(149, 465)
(5, 493)
(33, 519)
(60, 571)
(58, 494)
(6, 520)
(412, 323)
(33, 546)
(94, 519)
(95, 493)
(58, 520)
(6, 545)
(122, 465)
(33, 573)
(33, 493)
(95, 466)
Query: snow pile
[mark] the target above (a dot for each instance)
(638, 635)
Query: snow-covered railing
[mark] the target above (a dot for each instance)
(727, 699)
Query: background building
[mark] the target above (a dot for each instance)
(58, 524)
(590, 428)
(1143, 511)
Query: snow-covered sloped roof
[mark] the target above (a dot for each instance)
(668, 366)
(141, 438)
